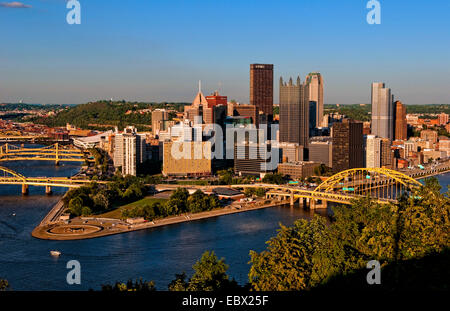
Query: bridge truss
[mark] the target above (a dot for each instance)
(55, 152)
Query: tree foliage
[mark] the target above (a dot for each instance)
(309, 254)
(209, 275)
(179, 202)
(95, 198)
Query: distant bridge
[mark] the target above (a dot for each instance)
(10, 177)
(55, 152)
(32, 138)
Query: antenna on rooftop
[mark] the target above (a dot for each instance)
(199, 86)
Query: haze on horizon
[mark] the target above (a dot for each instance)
(159, 50)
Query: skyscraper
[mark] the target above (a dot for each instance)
(261, 88)
(382, 111)
(160, 118)
(373, 151)
(386, 153)
(294, 113)
(401, 127)
(348, 144)
(314, 80)
(129, 150)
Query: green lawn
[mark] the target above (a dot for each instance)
(117, 213)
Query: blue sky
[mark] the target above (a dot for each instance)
(157, 50)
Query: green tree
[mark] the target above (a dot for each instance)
(209, 275)
(179, 284)
(86, 211)
(76, 206)
(288, 263)
(309, 254)
(276, 178)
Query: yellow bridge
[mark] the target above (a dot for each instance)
(54, 152)
(383, 185)
(10, 177)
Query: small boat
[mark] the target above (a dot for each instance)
(55, 253)
(13, 214)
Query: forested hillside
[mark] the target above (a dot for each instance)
(107, 114)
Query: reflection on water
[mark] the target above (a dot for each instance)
(154, 254)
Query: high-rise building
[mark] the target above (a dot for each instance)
(373, 151)
(291, 152)
(443, 118)
(382, 111)
(195, 159)
(312, 118)
(129, 150)
(294, 113)
(401, 126)
(314, 80)
(348, 145)
(321, 152)
(160, 118)
(386, 153)
(261, 88)
(255, 158)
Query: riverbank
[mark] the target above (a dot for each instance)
(91, 227)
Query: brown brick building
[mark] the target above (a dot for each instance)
(348, 145)
(261, 87)
(297, 170)
(401, 127)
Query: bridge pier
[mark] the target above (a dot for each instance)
(315, 205)
(48, 190)
(24, 189)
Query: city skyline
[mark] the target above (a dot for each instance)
(149, 51)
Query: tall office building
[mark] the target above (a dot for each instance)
(314, 80)
(255, 159)
(312, 118)
(348, 145)
(261, 88)
(294, 113)
(373, 151)
(401, 126)
(160, 118)
(382, 111)
(386, 153)
(129, 150)
(321, 152)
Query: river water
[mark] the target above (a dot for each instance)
(154, 254)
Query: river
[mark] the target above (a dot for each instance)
(154, 254)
